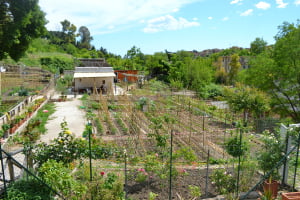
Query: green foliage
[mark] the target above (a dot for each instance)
(247, 99)
(99, 126)
(59, 177)
(57, 64)
(104, 186)
(63, 83)
(28, 189)
(258, 46)
(21, 22)
(157, 86)
(176, 84)
(187, 153)
(152, 195)
(277, 71)
(235, 147)
(210, 91)
(271, 153)
(235, 66)
(65, 148)
(195, 191)
(223, 180)
(145, 104)
(36, 125)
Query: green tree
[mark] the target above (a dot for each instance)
(258, 46)
(69, 32)
(245, 99)
(21, 22)
(278, 73)
(235, 66)
(85, 38)
(135, 58)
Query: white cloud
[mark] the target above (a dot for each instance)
(247, 12)
(195, 19)
(175, 10)
(263, 5)
(297, 2)
(235, 1)
(225, 19)
(281, 4)
(210, 18)
(168, 22)
(99, 16)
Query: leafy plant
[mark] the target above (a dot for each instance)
(195, 191)
(271, 153)
(58, 176)
(65, 148)
(235, 147)
(224, 181)
(152, 195)
(28, 189)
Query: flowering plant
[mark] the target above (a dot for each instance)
(223, 180)
(142, 175)
(271, 153)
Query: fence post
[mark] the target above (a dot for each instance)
(207, 167)
(297, 157)
(11, 169)
(239, 164)
(170, 178)
(125, 174)
(3, 171)
(89, 126)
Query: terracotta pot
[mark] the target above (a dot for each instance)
(271, 187)
(291, 196)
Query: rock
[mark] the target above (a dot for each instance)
(251, 195)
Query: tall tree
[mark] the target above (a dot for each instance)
(85, 38)
(258, 46)
(279, 73)
(69, 32)
(135, 59)
(235, 66)
(20, 22)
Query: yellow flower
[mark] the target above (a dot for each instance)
(68, 132)
(60, 141)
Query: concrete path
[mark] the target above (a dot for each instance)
(71, 113)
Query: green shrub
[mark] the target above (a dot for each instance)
(223, 180)
(210, 91)
(60, 178)
(234, 146)
(57, 64)
(28, 189)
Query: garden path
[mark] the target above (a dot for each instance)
(70, 112)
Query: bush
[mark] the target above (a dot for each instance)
(58, 176)
(210, 91)
(232, 146)
(28, 189)
(57, 64)
(225, 183)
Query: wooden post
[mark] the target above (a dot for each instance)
(10, 169)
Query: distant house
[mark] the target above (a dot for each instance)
(93, 75)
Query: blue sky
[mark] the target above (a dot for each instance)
(156, 25)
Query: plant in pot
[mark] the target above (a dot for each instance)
(5, 128)
(268, 159)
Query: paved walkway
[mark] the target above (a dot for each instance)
(71, 113)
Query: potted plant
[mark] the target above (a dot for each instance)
(5, 128)
(268, 158)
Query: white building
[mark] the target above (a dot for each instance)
(96, 78)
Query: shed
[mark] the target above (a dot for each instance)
(87, 79)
